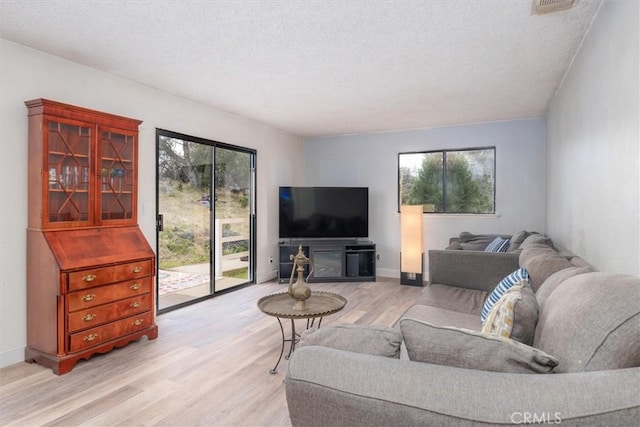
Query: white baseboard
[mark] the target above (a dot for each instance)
(395, 274)
(11, 357)
(388, 272)
(266, 276)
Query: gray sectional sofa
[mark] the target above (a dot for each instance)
(581, 366)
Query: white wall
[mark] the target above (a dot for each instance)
(27, 74)
(371, 160)
(592, 146)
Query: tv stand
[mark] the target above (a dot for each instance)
(319, 242)
(334, 260)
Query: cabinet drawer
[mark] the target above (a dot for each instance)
(110, 331)
(101, 276)
(95, 316)
(88, 298)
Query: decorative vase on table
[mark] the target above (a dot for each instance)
(299, 290)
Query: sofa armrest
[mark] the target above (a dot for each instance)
(470, 269)
(328, 387)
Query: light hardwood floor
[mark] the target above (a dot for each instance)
(208, 367)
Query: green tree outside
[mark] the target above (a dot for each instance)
(426, 188)
(185, 178)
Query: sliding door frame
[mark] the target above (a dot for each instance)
(252, 214)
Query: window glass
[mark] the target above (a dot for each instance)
(448, 181)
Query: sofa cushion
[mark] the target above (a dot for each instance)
(517, 239)
(443, 317)
(376, 340)
(577, 261)
(536, 238)
(471, 349)
(541, 261)
(513, 278)
(456, 246)
(556, 280)
(453, 298)
(591, 322)
(514, 315)
(497, 245)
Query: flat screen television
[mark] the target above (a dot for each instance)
(324, 212)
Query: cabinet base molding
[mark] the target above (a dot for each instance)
(62, 364)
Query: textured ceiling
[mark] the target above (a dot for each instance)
(321, 67)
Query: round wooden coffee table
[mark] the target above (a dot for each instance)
(280, 306)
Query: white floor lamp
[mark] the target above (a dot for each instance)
(411, 245)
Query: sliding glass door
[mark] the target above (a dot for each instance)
(205, 218)
(232, 217)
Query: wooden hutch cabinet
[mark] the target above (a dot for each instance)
(90, 271)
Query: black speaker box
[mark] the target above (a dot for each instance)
(353, 265)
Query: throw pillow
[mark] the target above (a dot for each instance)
(514, 315)
(500, 319)
(497, 245)
(513, 278)
(477, 242)
(469, 349)
(376, 340)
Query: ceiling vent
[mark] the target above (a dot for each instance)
(541, 7)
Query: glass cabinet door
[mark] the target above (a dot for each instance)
(117, 176)
(67, 191)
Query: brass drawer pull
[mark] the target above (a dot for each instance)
(135, 304)
(136, 269)
(91, 337)
(88, 297)
(138, 322)
(89, 277)
(89, 317)
(135, 286)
